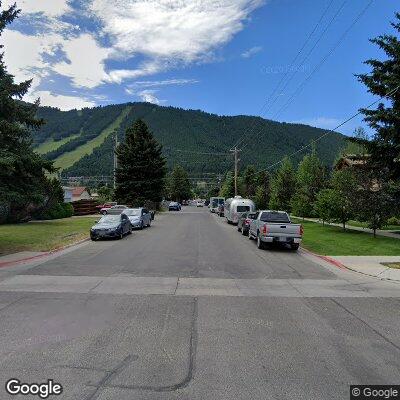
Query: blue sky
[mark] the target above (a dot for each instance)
(220, 56)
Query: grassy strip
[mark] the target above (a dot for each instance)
(43, 235)
(364, 225)
(51, 144)
(68, 159)
(333, 241)
(392, 265)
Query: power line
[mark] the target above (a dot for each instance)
(261, 112)
(201, 153)
(393, 91)
(319, 65)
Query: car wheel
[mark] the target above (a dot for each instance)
(294, 246)
(141, 225)
(244, 233)
(260, 243)
(92, 238)
(130, 230)
(149, 223)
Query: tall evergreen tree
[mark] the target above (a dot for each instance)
(384, 81)
(309, 181)
(228, 186)
(179, 186)
(141, 167)
(23, 185)
(249, 181)
(283, 186)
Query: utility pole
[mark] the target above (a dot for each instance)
(235, 152)
(115, 157)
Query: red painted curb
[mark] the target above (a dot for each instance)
(48, 253)
(327, 259)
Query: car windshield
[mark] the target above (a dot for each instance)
(241, 209)
(110, 219)
(132, 213)
(274, 217)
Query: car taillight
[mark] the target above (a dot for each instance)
(301, 230)
(247, 221)
(264, 230)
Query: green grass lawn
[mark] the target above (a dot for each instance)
(333, 241)
(66, 160)
(43, 235)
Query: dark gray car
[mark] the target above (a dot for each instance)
(139, 217)
(111, 226)
(244, 222)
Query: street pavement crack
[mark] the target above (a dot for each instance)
(366, 324)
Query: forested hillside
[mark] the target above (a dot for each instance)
(184, 134)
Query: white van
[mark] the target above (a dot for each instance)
(215, 202)
(236, 206)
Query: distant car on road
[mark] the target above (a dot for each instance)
(174, 206)
(139, 217)
(270, 226)
(215, 202)
(111, 226)
(199, 203)
(116, 209)
(105, 206)
(244, 222)
(220, 210)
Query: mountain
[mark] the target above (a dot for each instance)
(81, 142)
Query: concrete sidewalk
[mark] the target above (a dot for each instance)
(390, 234)
(371, 265)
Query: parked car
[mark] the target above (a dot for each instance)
(270, 226)
(105, 206)
(244, 222)
(220, 210)
(139, 217)
(207, 203)
(236, 206)
(199, 203)
(116, 209)
(174, 206)
(215, 202)
(111, 226)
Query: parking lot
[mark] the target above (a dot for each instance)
(191, 309)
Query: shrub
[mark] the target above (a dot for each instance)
(394, 221)
(57, 211)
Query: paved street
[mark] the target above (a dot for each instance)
(191, 309)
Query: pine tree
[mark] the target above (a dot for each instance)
(23, 185)
(141, 167)
(179, 186)
(249, 181)
(283, 186)
(309, 181)
(384, 81)
(228, 186)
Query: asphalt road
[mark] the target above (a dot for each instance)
(191, 309)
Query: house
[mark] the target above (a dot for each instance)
(68, 194)
(80, 193)
(351, 160)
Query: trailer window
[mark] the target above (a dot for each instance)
(241, 209)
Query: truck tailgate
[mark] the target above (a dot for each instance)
(288, 230)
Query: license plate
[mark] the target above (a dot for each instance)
(282, 239)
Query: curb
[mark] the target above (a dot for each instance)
(46, 254)
(328, 259)
(344, 267)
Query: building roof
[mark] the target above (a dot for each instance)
(77, 191)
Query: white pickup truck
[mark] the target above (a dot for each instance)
(269, 226)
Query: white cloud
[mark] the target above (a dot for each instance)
(174, 31)
(51, 8)
(63, 102)
(251, 52)
(150, 97)
(166, 82)
(85, 64)
(320, 122)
